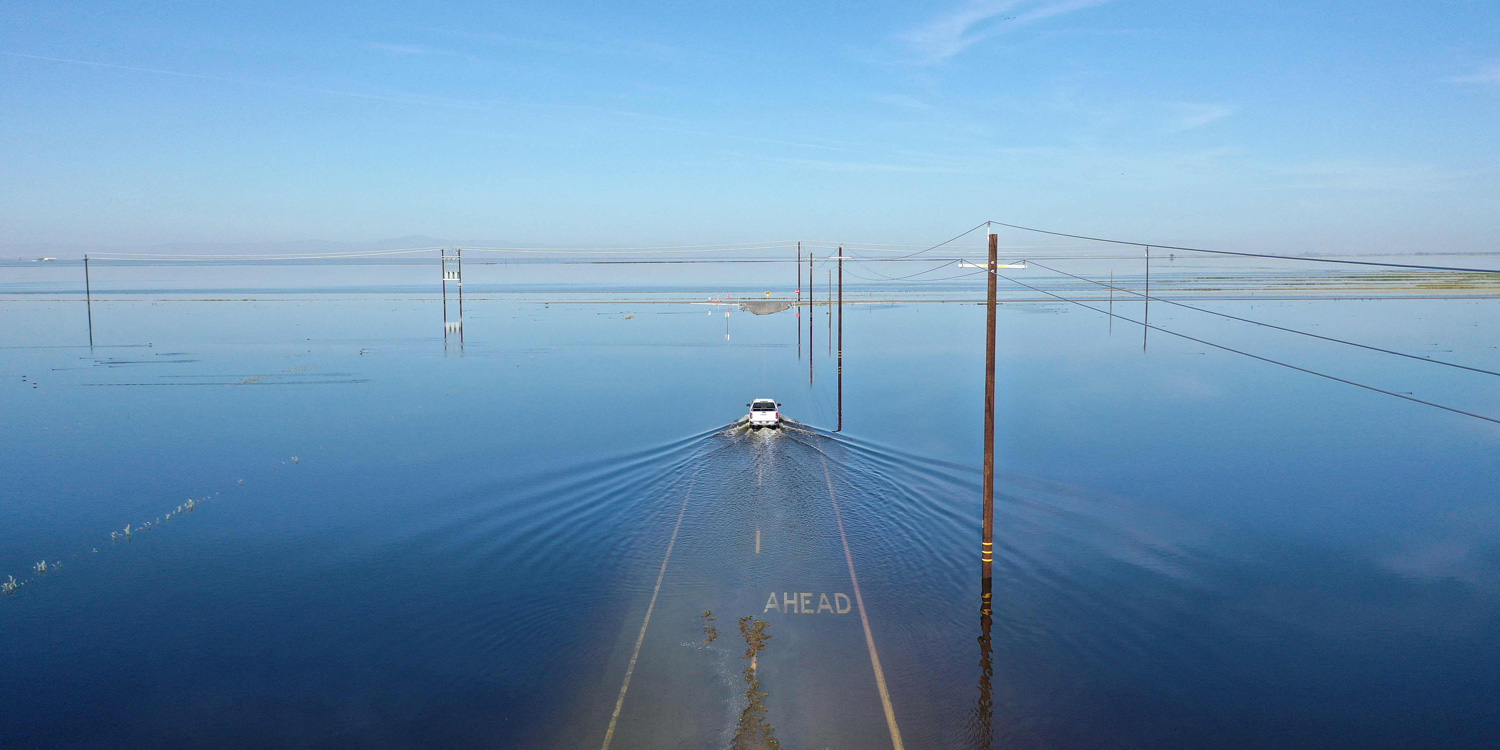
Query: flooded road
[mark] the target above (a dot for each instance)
(764, 544)
(551, 533)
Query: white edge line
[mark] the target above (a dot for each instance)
(859, 600)
(609, 734)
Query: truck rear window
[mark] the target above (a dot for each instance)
(763, 406)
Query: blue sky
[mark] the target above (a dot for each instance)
(1294, 126)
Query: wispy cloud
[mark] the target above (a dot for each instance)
(1358, 175)
(858, 166)
(576, 46)
(418, 50)
(1490, 75)
(1193, 116)
(958, 29)
(901, 100)
(400, 49)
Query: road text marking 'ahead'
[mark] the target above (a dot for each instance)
(795, 603)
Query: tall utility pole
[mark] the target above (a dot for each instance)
(812, 304)
(987, 549)
(88, 297)
(841, 340)
(986, 704)
(798, 315)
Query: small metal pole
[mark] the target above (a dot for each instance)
(798, 308)
(1146, 323)
(88, 297)
(841, 340)
(443, 268)
(460, 253)
(1111, 301)
(812, 306)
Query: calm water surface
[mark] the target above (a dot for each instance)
(400, 543)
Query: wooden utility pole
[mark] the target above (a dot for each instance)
(841, 340)
(987, 549)
(986, 704)
(88, 299)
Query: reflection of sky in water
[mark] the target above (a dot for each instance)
(1193, 548)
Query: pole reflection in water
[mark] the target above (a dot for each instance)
(811, 306)
(453, 330)
(984, 708)
(88, 297)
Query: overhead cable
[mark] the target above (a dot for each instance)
(1272, 325)
(959, 236)
(1160, 246)
(1241, 352)
(908, 276)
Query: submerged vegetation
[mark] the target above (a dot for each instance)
(754, 732)
(11, 585)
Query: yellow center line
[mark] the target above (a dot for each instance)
(630, 670)
(885, 694)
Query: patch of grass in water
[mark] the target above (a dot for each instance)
(754, 732)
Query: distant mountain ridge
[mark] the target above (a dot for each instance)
(292, 247)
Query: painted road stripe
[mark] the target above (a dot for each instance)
(630, 670)
(885, 694)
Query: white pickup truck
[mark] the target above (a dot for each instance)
(764, 412)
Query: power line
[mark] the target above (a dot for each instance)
(938, 245)
(727, 247)
(645, 250)
(162, 257)
(1272, 325)
(1255, 356)
(908, 276)
(1160, 246)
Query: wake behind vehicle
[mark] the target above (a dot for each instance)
(764, 412)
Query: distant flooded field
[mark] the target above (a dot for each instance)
(301, 506)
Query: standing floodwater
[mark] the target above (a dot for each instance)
(341, 533)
